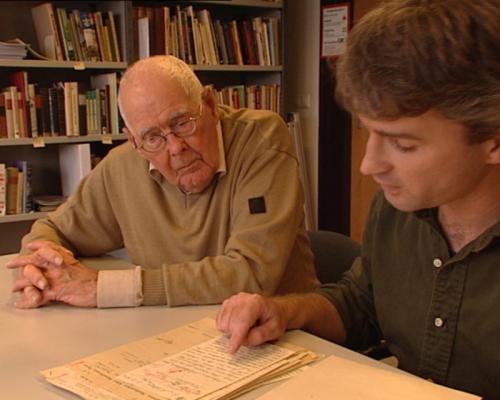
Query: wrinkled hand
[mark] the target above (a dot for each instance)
(251, 319)
(51, 273)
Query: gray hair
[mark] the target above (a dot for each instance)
(168, 66)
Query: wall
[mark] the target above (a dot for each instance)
(302, 32)
(362, 187)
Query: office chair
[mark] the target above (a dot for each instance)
(333, 254)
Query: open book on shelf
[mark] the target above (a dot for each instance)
(190, 362)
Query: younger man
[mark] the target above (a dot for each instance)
(424, 78)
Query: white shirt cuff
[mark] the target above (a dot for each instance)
(119, 288)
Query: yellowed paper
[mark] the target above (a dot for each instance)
(187, 363)
(338, 378)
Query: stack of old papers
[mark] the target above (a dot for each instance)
(12, 50)
(342, 379)
(188, 363)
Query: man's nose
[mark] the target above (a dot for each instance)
(374, 161)
(175, 144)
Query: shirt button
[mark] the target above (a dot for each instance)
(438, 322)
(437, 262)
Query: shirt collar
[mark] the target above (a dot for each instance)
(430, 216)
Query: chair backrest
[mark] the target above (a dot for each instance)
(333, 254)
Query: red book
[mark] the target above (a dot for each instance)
(19, 79)
(248, 43)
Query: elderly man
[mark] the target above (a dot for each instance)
(424, 78)
(206, 200)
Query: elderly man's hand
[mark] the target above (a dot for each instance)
(251, 319)
(51, 273)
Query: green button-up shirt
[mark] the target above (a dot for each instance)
(438, 310)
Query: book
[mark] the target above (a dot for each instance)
(114, 35)
(43, 109)
(9, 114)
(33, 110)
(189, 362)
(3, 117)
(19, 79)
(101, 41)
(16, 111)
(45, 24)
(66, 36)
(12, 191)
(79, 35)
(74, 165)
(143, 44)
(100, 82)
(53, 111)
(90, 36)
(25, 200)
(3, 189)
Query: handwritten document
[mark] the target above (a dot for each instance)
(187, 363)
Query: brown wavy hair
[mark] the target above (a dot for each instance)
(407, 57)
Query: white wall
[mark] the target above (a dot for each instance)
(302, 30)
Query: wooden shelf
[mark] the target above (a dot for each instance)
(243, 3)
(22, 217)
(63, 139)
(76, 65)
(238, 68)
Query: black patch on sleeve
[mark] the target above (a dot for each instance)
(257, 205)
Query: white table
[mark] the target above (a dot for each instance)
(37, 339)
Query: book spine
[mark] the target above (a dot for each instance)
(15, 111)
(68, 115)
(90, 35)
(53, 112)
(32, 108)
(3, 117)
(114, 35)
(43, 109)
(12, 182)
(75, 38)
(9, 114)
(3, 190)
(75, 118)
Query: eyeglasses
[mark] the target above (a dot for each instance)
(155, 141)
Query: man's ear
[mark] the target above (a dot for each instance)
(493, 148)
(130, 137)
(208, 97)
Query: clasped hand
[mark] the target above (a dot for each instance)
(51, 273)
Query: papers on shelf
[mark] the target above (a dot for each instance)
(190, 362)
(12, 51)
(16, 49)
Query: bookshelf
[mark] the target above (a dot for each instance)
(43, 153)
(256, 61)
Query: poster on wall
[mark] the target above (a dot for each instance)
(334, 29)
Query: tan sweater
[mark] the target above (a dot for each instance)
(198, 248)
